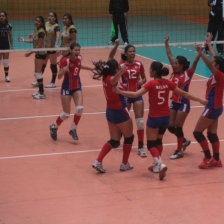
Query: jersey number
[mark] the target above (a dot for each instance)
(160, 97)
(132, 74)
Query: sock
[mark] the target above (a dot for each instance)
(207, 154)
(41, 86)
(140, 134)
(76, 119)
(215, 148)
(6, 69)
(105, 149)
(126, 153)
(43, 68)
(160, 149)
(180, 141)
(54, 75)
(59, 121)
(155, 152)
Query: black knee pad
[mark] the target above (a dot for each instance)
(43, 68)
(179, 132)
(171, 129)
(162, 130)
(212, 137)
(54, 68)
(151, 144)
(114, 143)
(159, 141)
(199, 136)
(129, 140)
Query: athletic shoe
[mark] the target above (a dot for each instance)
(125, 167)
(142, 152)
(53, 132)
(38, 96)
(186, 144)
(7, 79)
(50, 85)
(162, 171)
(74, 135)
(111, 42)
(154, 168)
(35, 83)
(214, 163)
(98, 166)
(177, 155)
(204, 164)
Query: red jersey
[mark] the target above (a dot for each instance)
(214, 91)
(114, 100)
(158, 96)
(71, 76)
(182, 81)
(132, 74)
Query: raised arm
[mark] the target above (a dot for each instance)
(114, 49)
(168, 51)
(211, 50)
(130, 94)
(195, 62)
(118, 75)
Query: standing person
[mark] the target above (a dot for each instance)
(158, 118)
(216, 23)
(134, 78)
(51, 41)
(40, 56)
(71, 89)
(180, 106)
(69, 32)
(117, 114)
(213, 109)
(118, 10)
(5, 38)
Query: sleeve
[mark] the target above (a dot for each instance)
(219, 77)
(72, 30)
(172, 85)
(56, 29)
(190, 73)
(147, 86)
(41, 35)
(63, 63)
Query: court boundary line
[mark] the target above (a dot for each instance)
(76, 152)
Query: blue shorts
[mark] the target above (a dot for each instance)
(132, 100)
(184, 107)
(117, 116)
(66, 92)
(158, 122)
(212, 113)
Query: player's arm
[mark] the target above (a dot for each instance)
(21, 39)
(117, 76)
(87, 68)
(168, 51)
(211, 50)
(130, 94)
(114, 49)
(195, 62)
(11, 38)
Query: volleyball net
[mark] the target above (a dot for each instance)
(148, 21)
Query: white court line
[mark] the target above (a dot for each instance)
(75, 152)
(47, 116)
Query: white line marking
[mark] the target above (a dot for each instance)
(75, 152)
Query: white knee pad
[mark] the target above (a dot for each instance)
(79, 110)
(38, 75)
(64, 116)
(140, 123)
(5, 63)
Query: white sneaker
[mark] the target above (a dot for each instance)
(124, 167)
(162, 171)
(177, 155)
(50, 85)
(39, 96)
(98, 166)
(7, 79)
(155, 168)
(142, 152)
(35, 83)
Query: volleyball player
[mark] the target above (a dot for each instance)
(69, 32)
(180, 106)
(159, 114)
(117, 114)
(51, 41)
(213, 109)
(6, 42)
(40, 56)
(71, 90)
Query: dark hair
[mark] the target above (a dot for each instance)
(41, 18)
(219, 61)
(159, 69)
(6, 15)
(73, 45)
(183, 61)
(69, 16)
(55, 16)
(123, 56)
(105, 68)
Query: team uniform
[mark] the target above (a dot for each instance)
(214, 95)
(50, 39)
(40, 33)
(116, 111)
(71, 82)
(182, 81)
(131, 77)
(5, 28)
(158, 91)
